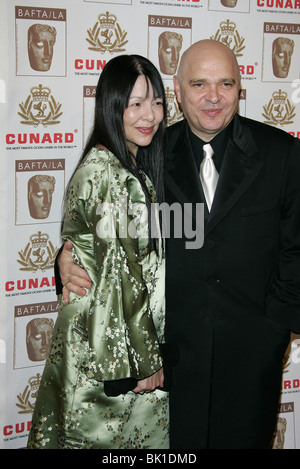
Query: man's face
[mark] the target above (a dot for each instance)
(208, 90)
(169, 52)
(282, 59)
(40, 50)
(40, 199)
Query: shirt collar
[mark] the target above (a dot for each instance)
(218, 143)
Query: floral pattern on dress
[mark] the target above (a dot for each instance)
(113, 332)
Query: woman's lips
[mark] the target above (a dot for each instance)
(145, 130)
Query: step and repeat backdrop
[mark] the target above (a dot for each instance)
(52, 52)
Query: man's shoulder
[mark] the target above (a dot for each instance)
(173, 133)
(175, 128)
(265, 131)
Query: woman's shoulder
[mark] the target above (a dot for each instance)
(97, 163)
(100, 171)
(101, 158)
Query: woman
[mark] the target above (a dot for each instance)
(108, 342)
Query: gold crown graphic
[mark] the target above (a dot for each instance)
(39, 240)
(228, 27)
(170, 94)
(34, 382)
(107, 21)
(279, 97)
(40, 93)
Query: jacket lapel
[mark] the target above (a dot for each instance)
(240, 167)
(181, 174)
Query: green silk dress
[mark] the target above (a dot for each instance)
(114, 331)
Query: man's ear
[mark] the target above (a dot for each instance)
(177, 88)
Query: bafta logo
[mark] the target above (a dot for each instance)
(106, 35)
(282, 51)
(40, 188)
(40, 45)
(38, 336)
(40, 107)
(229, 3)
(169, 47)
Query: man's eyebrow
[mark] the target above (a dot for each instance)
(227, 80)
(192, 82)
(221, 80)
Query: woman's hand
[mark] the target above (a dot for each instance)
(73, 277)
(152, 382)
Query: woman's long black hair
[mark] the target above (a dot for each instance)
(112, 96)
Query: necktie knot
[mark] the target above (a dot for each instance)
(208, 151)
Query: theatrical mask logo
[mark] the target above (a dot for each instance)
(229, 35)
(282, 51)
(38, 336)
(40, 107)
(40, 188)
(169, 47)
(40, 45)
(229, 3)
(280, 433)
(107, 35)
(39, 253)
(26, 399)
(279, 110)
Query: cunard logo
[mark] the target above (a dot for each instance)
(40, 107)
(26, 399)
(174, 113)
(39, 253)
(106, 35)
(228, 35)
(279, 110)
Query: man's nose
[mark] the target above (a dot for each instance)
(212, 94)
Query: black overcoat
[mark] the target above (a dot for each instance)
(232, 303)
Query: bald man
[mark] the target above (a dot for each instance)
(232, 303)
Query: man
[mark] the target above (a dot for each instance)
(230, 306)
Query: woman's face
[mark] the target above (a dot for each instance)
(143, 115)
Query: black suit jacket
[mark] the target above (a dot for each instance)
(232, 304)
